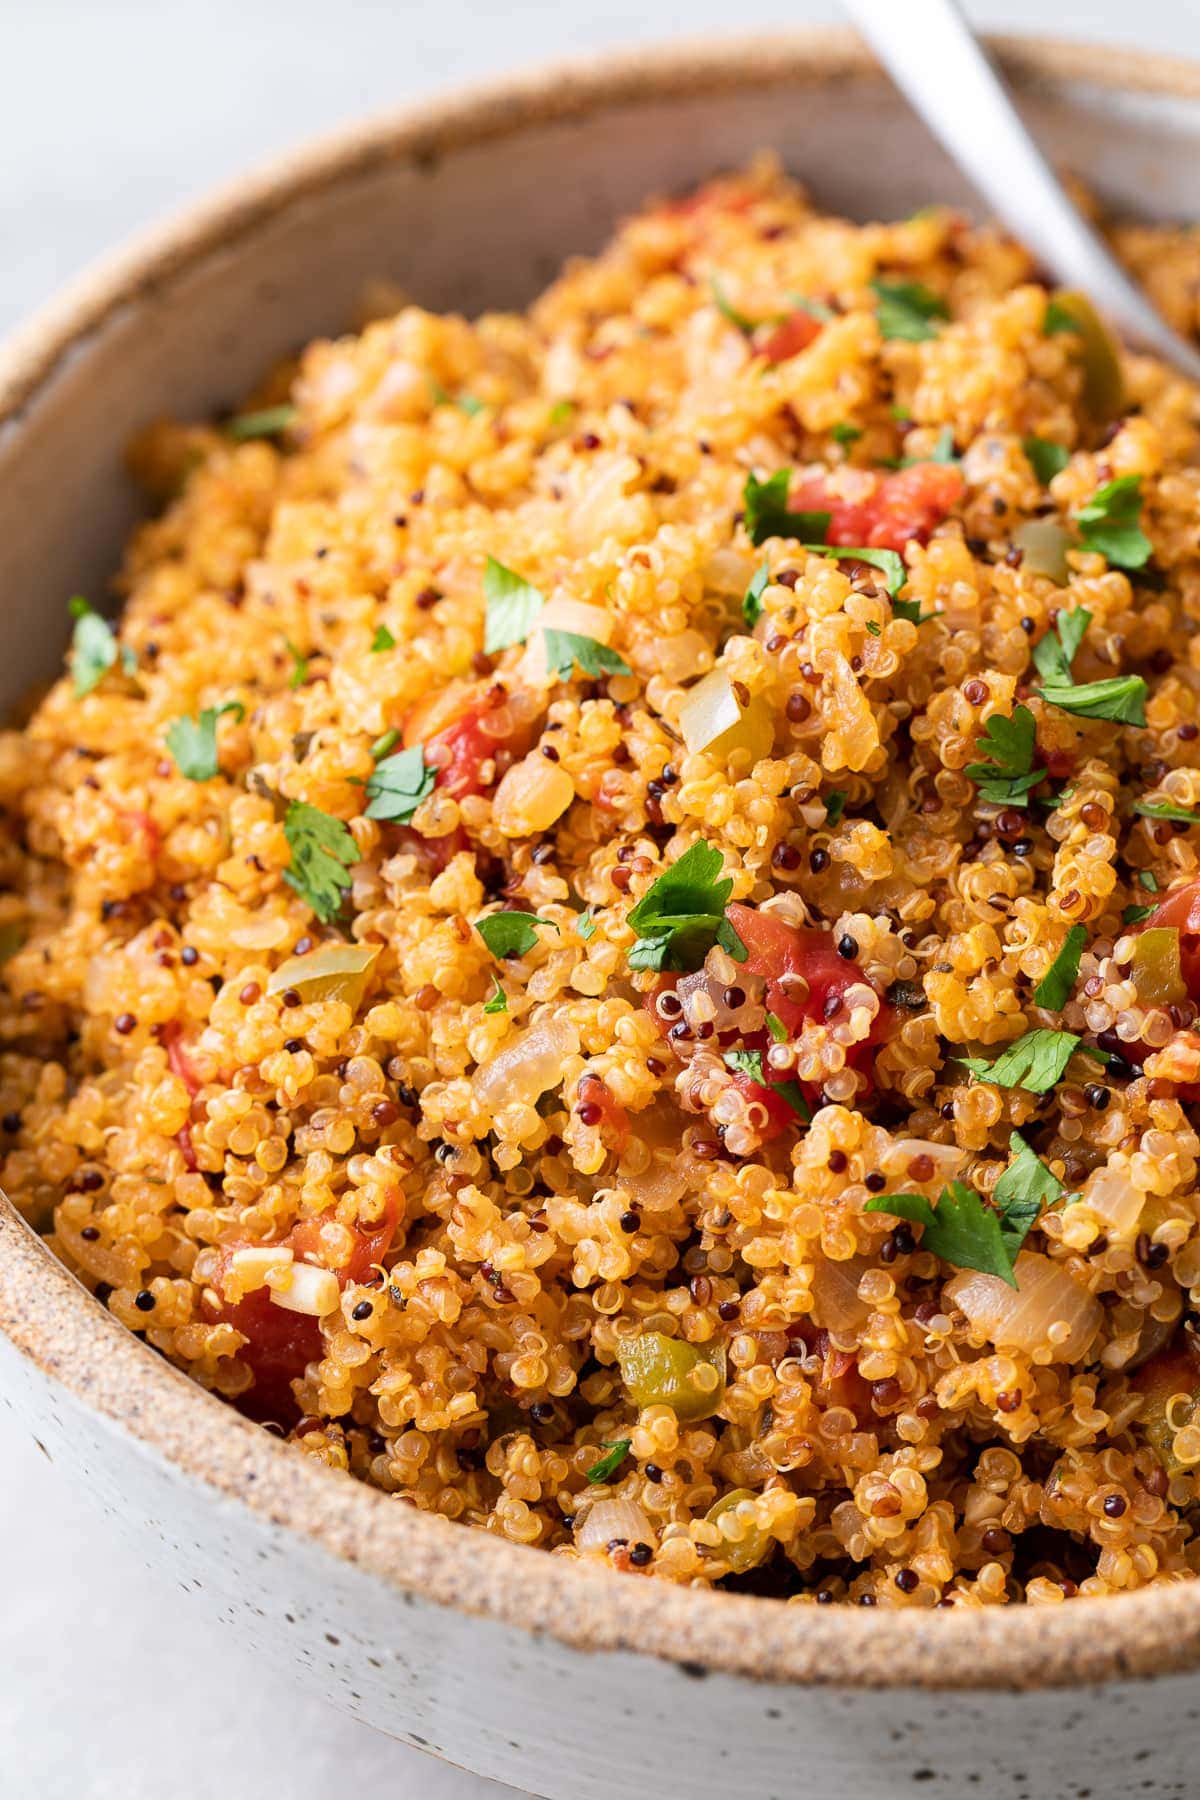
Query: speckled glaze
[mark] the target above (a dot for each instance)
(562, 1681)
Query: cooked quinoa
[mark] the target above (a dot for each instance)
(816, 1215)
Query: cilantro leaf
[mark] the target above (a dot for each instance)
(267, 422)
(766, 513)
(1133, 915)
(193, 742)
(94, 648)
(904, 310)
(835, 805)
(776, 1028)
(1045, 458)
(1054, 655)
(398, 784)
(845, 433)
(911, 610)
(1034, 1062)
(1054, 989)
(683, 914)
(618, 1450)
(323, 850)
(383, 640)
(564, 649)
(752, 606)
(750, 1063)
(498, 1003)
(511, 933)
(1057, 318)
(512, 604)
(586, 926)
(1111, 523)
(1165, 809)
(962, 1230)
(1006, 778)
(746, 1062)
(1120, 699)
(1148, 879)
(889, 562)
(1024, 1188)
(299, 674)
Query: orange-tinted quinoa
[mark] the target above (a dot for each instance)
(575, 1227)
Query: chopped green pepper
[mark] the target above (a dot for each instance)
(1156, 970)
(663, 1371)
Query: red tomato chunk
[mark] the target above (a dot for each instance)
(882, 512)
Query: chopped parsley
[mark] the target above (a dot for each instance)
(193, 742)
(94, 648)
(911, 610)
(1025, 1187)
(1133, 915)
(618, 1450)
(1008, 774)
(1111, 523)
(1035, 1062)
(888, 562)
(680, 918)
(269, 421)
(323, 850)
(1057, 318)
(498, 1003)
(512, 604)
(835, 805)
(1054, 989)
(750, 1064)
(752, 606)
(905, 310)
(961, 1229)
(766, 512)
(845, 433)
(299, 674)
(511, 933)
(1119, 698)
(586, 925)
(1045, 458)
(776, 1028)
(1165, 809)
(565, 649)
(1148, 879)
(398, 784)
(383, 640)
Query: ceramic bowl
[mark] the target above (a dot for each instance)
(562, 1681)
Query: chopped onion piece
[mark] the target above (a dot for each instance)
(251, 1266)
(836, 1303)
(1110, 1195)
(609, 1519)
(713, 719)
(560, 614)
(530, 1063)
(309, 1290)
(1044, 546)
(1020, 1318)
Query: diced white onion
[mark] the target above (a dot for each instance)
(1020, 1318)
(836, 1303)
(251, 1267)
(1109, 1193)
(712, 718)
(609, 1519)
(310, 1290)
(530, 1063)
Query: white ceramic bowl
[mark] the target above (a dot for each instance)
(564, 1682)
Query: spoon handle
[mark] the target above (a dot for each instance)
(935, 59)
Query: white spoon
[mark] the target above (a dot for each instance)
(934, 58)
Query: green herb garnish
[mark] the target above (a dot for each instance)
(1056, 318)
(905, 308)
(1054, 989)
(888, 562)
(776, 1028)
(683, 914)
(565, 649)
(1121, 699)
(94, 648)
(323, 849)
(512, 605)
(383, 640)
(1111, 523)
(269, 421)
(728, 311)
(752, 606)
(1035, 1062)
(193, 742)
(498, 1003)
(962, 1230)
(511, 933)
(750, 1064)
(398, 784)
(845, 433)
(586, 925)
(1024, 1188)
(618, 1450)
(766, 513)
(299, 674)
(1054, 655)
(560, 412)
(911, 610)
(1133, 915)
(943, 451)
(835, 805)
(1148, 879)
(1045, 458)
(1164, 809)
(1007, 776)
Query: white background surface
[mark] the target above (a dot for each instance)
(112, 112)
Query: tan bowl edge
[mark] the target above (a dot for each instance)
(65, 1333)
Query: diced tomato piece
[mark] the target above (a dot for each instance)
(435, 852)
(453, 727)
(280, 1344)
(780, 1116)
(613, 1122)
(882, 512)
(1180, 912)
(789, 337)
(141, 825)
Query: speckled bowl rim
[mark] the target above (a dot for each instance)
(61, 1329)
